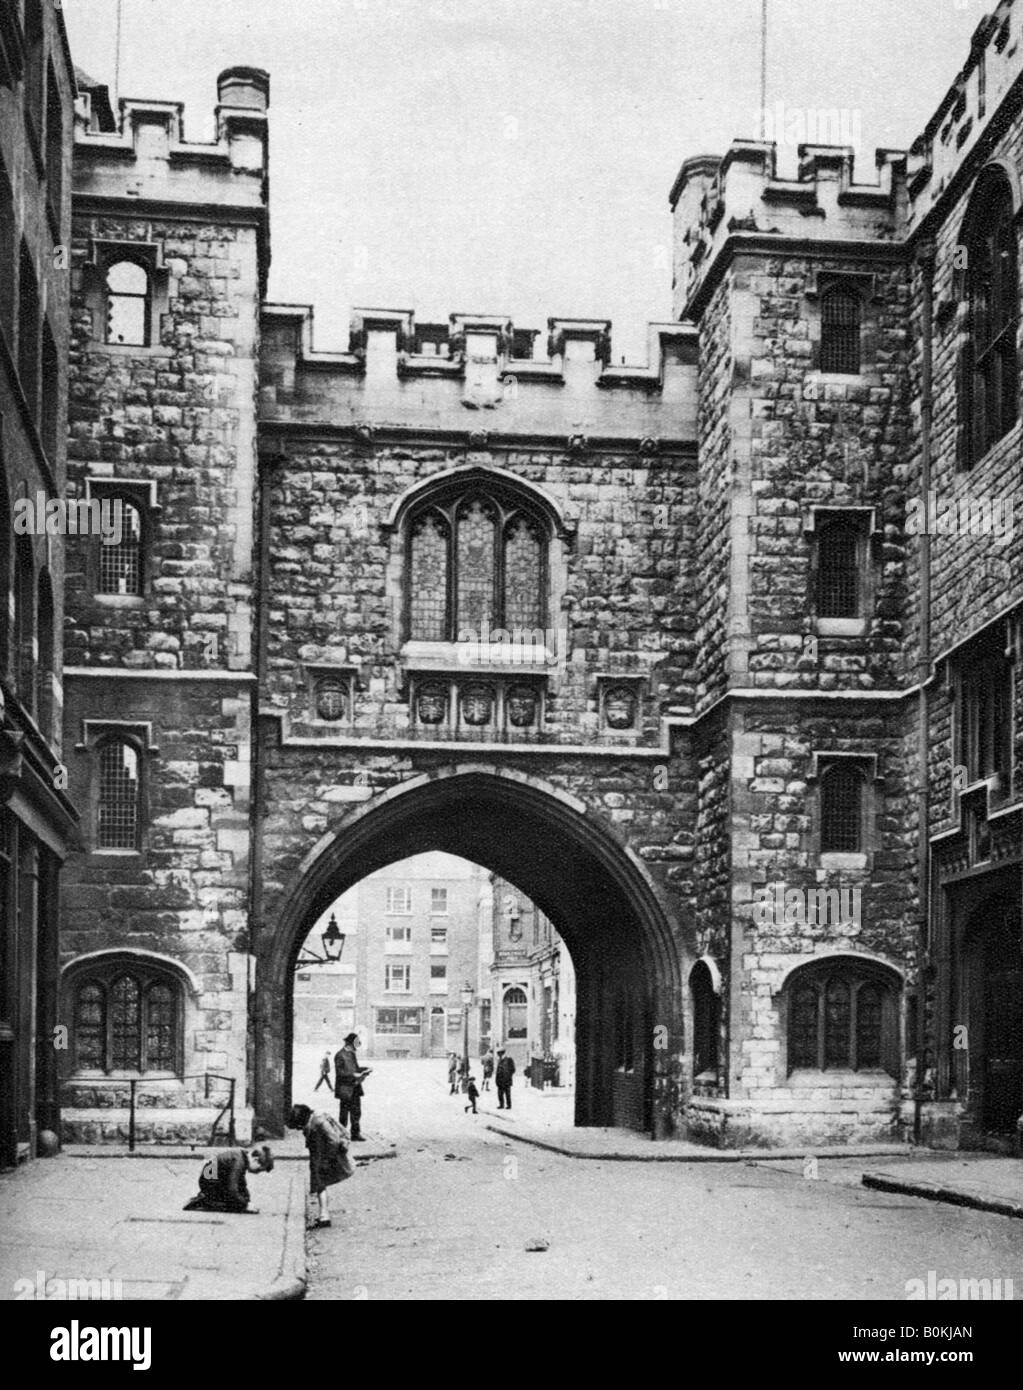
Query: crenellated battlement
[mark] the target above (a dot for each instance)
(715, 198)
(145, 154)
(966, 113)
(397, 371)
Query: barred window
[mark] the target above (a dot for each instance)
(841, 792)
(126, 1018)
(989, 373)
(127, 304)
(119, 793)
(843, 1016)
(841, 311)
(476, 559)
(120, 564)
(838, 571)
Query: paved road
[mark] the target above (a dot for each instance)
(451, 1218)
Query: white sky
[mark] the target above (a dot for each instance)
(513, 156)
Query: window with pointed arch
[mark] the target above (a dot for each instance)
(989, 368)
(843, 1016)
(118, 795)
(706, 1021)
(841, 321)
(128, 303)
(476, 560)
(126, 1017)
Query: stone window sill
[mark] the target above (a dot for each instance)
(851, 863)
(119, 600)
(873, 1078)
(841, 627)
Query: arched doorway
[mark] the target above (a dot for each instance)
(546, 844)
(991, 987)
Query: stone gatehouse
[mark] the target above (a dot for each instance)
(665, 645)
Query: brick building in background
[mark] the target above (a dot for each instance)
(415, 934)
(37, 820)
(664, 645)
(533, 985)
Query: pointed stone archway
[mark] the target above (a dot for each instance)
(595, 890)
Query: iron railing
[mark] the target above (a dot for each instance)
(206, 1077)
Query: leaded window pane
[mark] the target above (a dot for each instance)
(126, 1024)
(90, 1028)
(836, 1024)
(428, 595)
(160, 1029)
(120, 565)
(476, 533)
(868, 1026)
(523, 572)
(118, 797)
(803, 1027)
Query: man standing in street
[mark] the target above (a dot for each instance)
(503, 1077)
(348, 1078)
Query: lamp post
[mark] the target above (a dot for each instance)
(333, 944)
(466, 1002)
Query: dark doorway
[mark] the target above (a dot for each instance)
(993, 960)
(1003, 1026)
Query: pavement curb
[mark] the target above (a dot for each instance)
(934, 1192)
(711, 1155)
(292, 1279)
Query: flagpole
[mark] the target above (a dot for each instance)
(763, 55)
(117, 52)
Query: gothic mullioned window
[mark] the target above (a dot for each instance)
(126, 1017)
(842, 1016)
(476, 560)
(989, 376)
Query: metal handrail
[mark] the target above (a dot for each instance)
(206, 1077)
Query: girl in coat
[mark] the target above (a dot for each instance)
(327, 1142)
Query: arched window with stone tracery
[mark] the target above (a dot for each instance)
(476, 561)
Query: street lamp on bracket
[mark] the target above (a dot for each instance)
(333, 944)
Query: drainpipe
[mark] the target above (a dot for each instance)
(925, 255)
